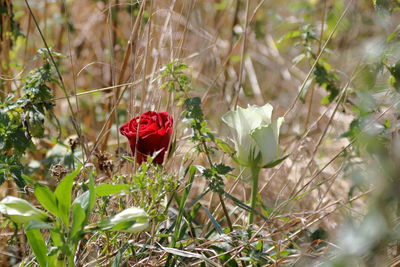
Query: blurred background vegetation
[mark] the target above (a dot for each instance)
(330, 67)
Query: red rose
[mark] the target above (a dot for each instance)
(149, 133)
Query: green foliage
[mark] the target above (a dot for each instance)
(395, 76)
(201, 137)
(327, 80)
(386, 5)
(22, 119)
(175, 80)
(63, 240)
(373, 158)
(152, 186)
(306, 37)
(213, 175)
(14, 25)
(69, 219)
(187, 229)
(194, 114)
(11, 167)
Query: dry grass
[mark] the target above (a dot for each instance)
(113, 61)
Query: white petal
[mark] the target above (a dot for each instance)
(137, 227)
(20, 210)
(267, 138)
(242, 122)
(129, 214)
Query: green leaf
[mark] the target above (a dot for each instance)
(224, 146)
(34, 224)
(16, 174)
(78, 221)
(290, 35)
(57, 238)
(192, 171)
(81, 208)
(200, 196)
(46, 199)
(193, 109)
(222, 168)
(110, 189)
(38, 246)
(92, 194)
(118, 258)
(121, 226)
(276, 162)
(298, 58)
(214, 221)
(83, 200)
(259, 245)
(243, 205)
(63, 195)
(327, 79)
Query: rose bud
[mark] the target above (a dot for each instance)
(255, 135)
(149, 133)
(130, 220)
(21, 211)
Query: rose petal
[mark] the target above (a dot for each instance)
(154, 130)
(153, 143)
(267, 138)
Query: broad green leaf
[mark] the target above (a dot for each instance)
(81, 208)
(57, 238)
(63, 195)
(83, 200)
(38, 246)
(46, 198)
(38, 225)
(110, 189)
(78, 221)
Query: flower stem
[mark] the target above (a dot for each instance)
(255, 171)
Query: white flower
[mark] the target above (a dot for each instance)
(20, 210)
(255, 135)
(131, 220)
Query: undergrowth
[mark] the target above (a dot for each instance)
(313, 183)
